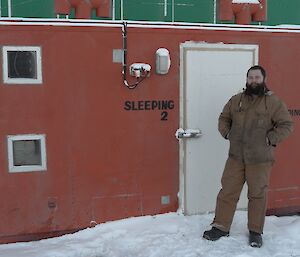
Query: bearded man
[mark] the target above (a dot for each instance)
(254, 121)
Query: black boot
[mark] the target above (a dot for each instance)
(255, 239)
(214, 234)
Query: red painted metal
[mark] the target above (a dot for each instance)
(225, 10)
(242, 13)
(83, 8)
(261, 14)
(103, 162)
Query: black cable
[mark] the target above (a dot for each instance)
(124, 71)
(124, 34)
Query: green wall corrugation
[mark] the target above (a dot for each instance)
(154, 10)
(283, 12)
(29, 8)
(279, 11)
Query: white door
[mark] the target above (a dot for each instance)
(210, 75)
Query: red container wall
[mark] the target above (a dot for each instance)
(104, 162)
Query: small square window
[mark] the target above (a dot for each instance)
(26, 153)
(22, 65)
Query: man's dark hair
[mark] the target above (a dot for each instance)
(258, 67)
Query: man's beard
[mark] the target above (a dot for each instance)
(260, 89)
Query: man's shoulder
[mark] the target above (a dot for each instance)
(236, 97)
(269, 93)
(272, 96)
(274, 100)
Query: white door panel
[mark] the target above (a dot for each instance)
(212, 73)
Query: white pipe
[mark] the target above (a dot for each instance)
(113, 10)
(215, 11)
(122, 16)
(144, 24)
(0, 9)
(166, 5)
(9, 8)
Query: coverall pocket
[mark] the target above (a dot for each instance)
(262, 120)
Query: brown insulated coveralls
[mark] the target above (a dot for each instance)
(253, 125)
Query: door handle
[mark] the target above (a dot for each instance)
(188, 133)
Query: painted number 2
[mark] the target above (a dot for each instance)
(164, 116)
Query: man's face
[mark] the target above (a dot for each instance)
(255, 78)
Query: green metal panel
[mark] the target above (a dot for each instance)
(29, 8)
(283, 12)
(161, 10)
(146, 10)
(279, 11)
(194, 11)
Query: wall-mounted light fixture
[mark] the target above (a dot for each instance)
(140, 70)
(163, 61)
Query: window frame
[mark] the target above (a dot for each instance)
(26, 168)
(7, 80)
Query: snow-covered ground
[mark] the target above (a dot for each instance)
(167, 235)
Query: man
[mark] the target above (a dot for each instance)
(254, 121)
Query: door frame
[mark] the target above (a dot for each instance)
(204, 46)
